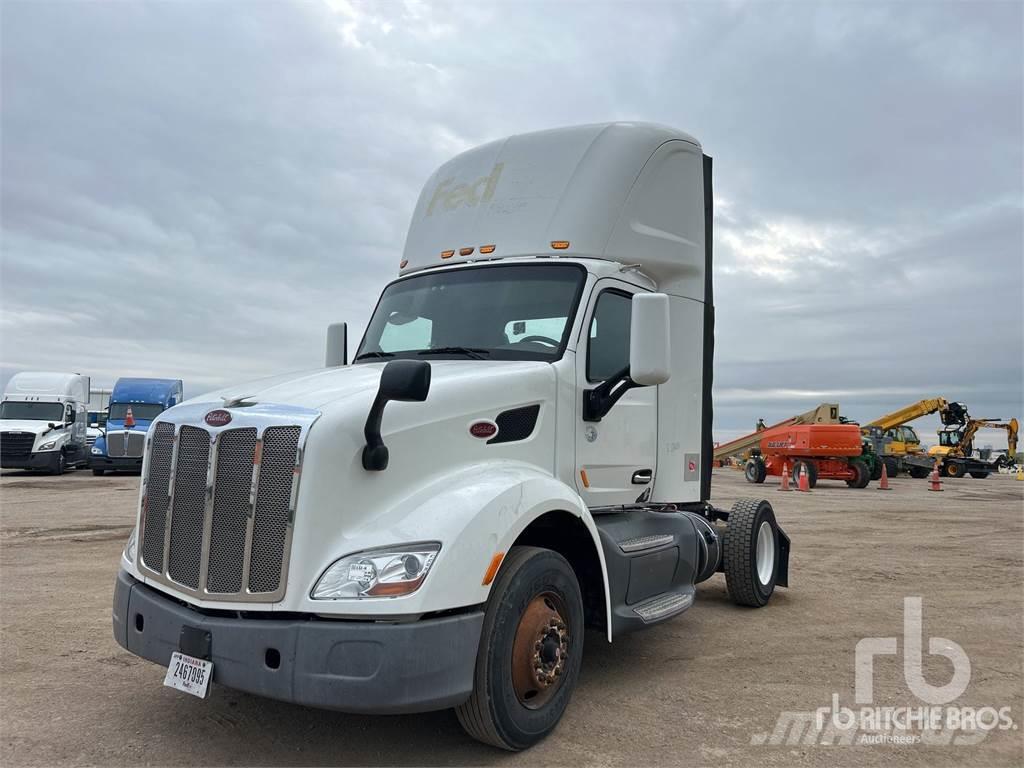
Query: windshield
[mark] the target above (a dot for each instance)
(511, 312)
(145, 411)
(32, 411)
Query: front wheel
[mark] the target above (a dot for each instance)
(60, 464)
(531, 646)
(979, 475)
(954, 469)
(751, 551)
(919, 473)
(98, 472)
(812, 472)
(755, 471)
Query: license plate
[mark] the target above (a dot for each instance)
(189, 674)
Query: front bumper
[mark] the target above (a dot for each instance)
(105, 462)
(44, 460)
(353, 666)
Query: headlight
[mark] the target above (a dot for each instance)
(96, 451)
(387, 572)
(47, 446)
(129, 548)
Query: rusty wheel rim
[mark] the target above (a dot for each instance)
(540, 651)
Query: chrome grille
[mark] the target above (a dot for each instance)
(156, 502)
(231, 507)
(277, 472)
(219, 504)
(121, 445)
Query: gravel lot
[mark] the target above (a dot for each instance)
(707, 688)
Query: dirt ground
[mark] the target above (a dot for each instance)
(706, 688)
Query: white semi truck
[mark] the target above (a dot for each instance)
(520, 447)
(43, 421)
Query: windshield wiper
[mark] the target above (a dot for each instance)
(474, 352)
(368, 355)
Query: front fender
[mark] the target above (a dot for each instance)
(475, 512)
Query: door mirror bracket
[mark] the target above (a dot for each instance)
(599, 400)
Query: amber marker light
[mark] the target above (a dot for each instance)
(447, 254)
(465, 251)
(492, 569)
(559, 245)
(487, 248)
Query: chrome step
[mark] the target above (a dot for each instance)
(662, 606)
(640, 543)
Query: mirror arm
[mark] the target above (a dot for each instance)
(599, 400)
(375, 453)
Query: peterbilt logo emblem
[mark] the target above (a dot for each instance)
(483, 429)
(218, 418)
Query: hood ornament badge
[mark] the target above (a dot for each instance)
(238, 401)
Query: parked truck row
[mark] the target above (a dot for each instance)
(54, 421)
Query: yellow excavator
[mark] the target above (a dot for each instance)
(955, 450)
(900, 447)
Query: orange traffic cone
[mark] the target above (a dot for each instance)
(933, 479)
(785, 477)
(805, 482)
(883, 482)
(129, 419)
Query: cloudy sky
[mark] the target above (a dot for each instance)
(197, 189)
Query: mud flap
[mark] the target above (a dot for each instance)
(782, 575)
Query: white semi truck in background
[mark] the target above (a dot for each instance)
(520, 447)
(43, 421)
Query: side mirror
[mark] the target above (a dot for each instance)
(401, 380)
(337, 345)
(650, 350)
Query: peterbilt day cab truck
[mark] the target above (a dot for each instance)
(43, 421)
(519, 447)
(134, 404)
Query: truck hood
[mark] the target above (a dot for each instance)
(319, 389)
(35, 427)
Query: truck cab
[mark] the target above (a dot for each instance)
(43, 418)
(519, 447)
(133, 406)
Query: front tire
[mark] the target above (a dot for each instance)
(954, 469)
(979, 475)
(919, 473)
(60, 464)
(98, 472)
(812, 472)
(531, 647)
(751, 547)
(755, 471)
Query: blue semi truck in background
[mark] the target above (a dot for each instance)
(134, 403)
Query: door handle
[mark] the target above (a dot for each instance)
(642, 476)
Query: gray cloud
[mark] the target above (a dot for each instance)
(198, 189)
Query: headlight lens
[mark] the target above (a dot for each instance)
(47, 446)
(96, 451)
(390, 572)
(129, 548)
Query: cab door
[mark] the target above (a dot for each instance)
(615, 457)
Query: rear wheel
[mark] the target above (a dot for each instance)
(861, 474)
(876, 470)
(892, 467)
(919, 473)
(530, 651)
(954, 469)
(751, 547)
(979, 475)
(98, 472)
(755, 471)
(812, 472)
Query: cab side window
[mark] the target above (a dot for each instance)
(608, 346)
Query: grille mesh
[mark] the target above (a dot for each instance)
(235, 449)
(156, 496)
(189, 509)
(273, 499)
(125, 444)
(515, 424)
(16, 443)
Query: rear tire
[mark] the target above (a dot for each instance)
(876, 470)
(954, 469)
(979, 475)
(892, 467)
(98, 472)
(862, 475)
(504, 710)
(751, 550)
(755, 471)
(919, 473)
(812, 472)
